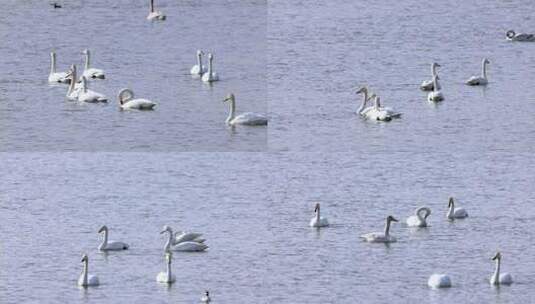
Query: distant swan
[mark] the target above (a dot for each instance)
(436, 94)
(497, 278)
(512, 36)
(87, 95)
(206, 297)
(480, 80)
(419, 220)
(210, 75)
(155, 15)
(127, 102)
(110, 245)
(180, 237)
(455, 213)
(380, 237)
(56, 77)
(166, 276)
(199, 68)
(439, 281)
(182, 246)
(427, 85)
(317, 220)
(87, 279)
(91, 73)
(248, 118)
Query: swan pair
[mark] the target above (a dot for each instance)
(512, 36)
(199, 70)
(154, 14)
(247, 118)
(317, 221)
(82, 93)
(381, 237)
(375, 112)
(56, 77)
(190, 245)
(107, 245)
(480, 80)
(429, 85)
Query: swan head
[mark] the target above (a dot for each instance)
(84, 258)
(103, 228)
(486, 61)
(510, 34)
(85, 52)
(363, 89)
(391, 219)
(450, 202)
(210, 56)
(199, 53)
(317, 207)
(166, 229)
(497, 256)
(230, 97)
(436, 65)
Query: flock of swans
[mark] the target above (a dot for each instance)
(419, 220)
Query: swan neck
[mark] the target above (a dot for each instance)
(199, 61)
(318, 215)
(484, 70)
(497, 270)
(435, 84)
(152, 6)
(433, 70)
(387, 228)
(363, 104)
(168, 243)
(72, 83)
(210, 66)
(169, 269)
(105, 242)
(232, 107)
(53, 63)
(84, 84)
(87, 60)
(85, 272)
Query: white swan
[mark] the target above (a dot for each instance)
(110, 245)
(480, 80)
(91, 73)
(206, 297)
(87, 279)
(376, 112)
(56, 77)
(384, 111)
(381, 237)
(248, 118)
(127, 101)
(436, 94)
(199, 68)
(183, 246)
(512, 36)
(419, 220)
(455, 213)
(362, 110)
(497, 278)
(428, 85)
(439, 281)
(74, 88)
(87, 95)
(210, 75)
(155, 15)
(180, 237)
(166, 276)
(317, 220)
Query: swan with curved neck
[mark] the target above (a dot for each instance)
(381, 237)
(512, 36)
(87, 95)
(419, 218)
(318, 221)
(167, 276)
(182, 246)
(86, 279)
(436, 94)
(127, 101)
(480, 80)
(110, 245)
(500, 278)
(439, 281)
(198, 69)
(362, 110)
(210, 75)
(89, 72)
(248, 118)
(206, 297)
(455, 213)
(154, 14)
(56, 77)
(428, 85)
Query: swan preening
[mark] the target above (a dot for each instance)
(419, 217)
(210, 75)
(317, 220)
(167, 276)
(89, 72)
(87, 279)
(480, 80)
(439, 281)
(248, 118)
(455, 213)
(198, 69)
(127, 101)
(56, 77)
(428, 85)
(381, 237)
(500, 278)
(436, 94)
(154, 14)
(206, 297)
(172, 245)
(512, 36)
(110, 245)
(375, 112)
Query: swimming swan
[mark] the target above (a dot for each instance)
(480, 80)
(110, 245)
(383, 111)
(380, 237)
(248, 118)
(180, 237)
(74, 88)
(419, 220)
(497, 278)
(166, 276)
(91, 73)
(87, 95)
(87, 279)
(199, 68)
(183, 246)
(210, 75)
(455, 213)
(127, 102)
(436, 94)
(56, 77)
(155, 15)
(439, 281)
(317, 220)
(206, 297)
(427, 85)
(512, 36)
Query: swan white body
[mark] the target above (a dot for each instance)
(74, 87)
(318, 221)
(436, 94)
(127, 101)
(89, 72)
(167, 276)
(248, 118)
(210, 75)
(87, 95)
(56, 77)
(85, 278)
(428, 85)
(206, 297)
(187, 237)
(455, 213)
(198, 69)
(110, 245)
(419, 218)
(500, 278)
(154, 14)
(512, 36)
(439, 281)
(480, 80)
(381, 237)
(183, 246)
